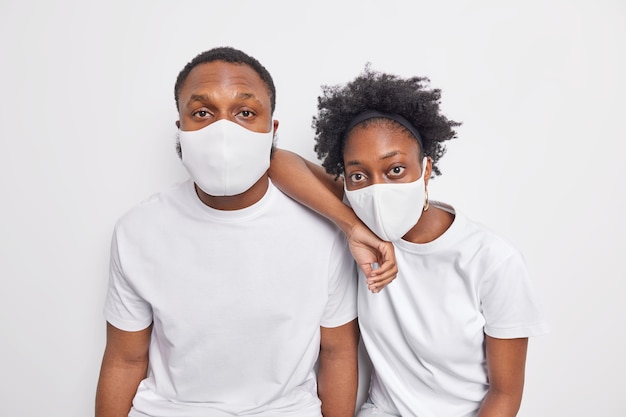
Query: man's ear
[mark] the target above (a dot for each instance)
(275, 125)
(178, 124)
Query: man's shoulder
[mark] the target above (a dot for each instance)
(155, 206)
(304, 212)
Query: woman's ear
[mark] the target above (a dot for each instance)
(429, 169)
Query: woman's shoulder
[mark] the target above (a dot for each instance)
(477, 234)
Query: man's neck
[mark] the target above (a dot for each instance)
(236, 202)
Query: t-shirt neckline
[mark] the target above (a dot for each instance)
(229, 215)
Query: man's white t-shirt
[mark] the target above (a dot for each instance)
(237, 299)
(424, 332)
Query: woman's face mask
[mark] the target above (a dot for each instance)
(390, 209)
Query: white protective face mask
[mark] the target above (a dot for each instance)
(225, 158)
(390, 210)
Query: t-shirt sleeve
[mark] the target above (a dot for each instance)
(124, 308)
(509, 302)
(342, 286)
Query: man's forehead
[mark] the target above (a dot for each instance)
(240, 78)
(225, 72)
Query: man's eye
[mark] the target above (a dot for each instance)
(246, 113)
(201, 113)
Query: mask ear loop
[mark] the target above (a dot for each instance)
(426, 202)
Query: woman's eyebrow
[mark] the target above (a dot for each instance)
(392, 154)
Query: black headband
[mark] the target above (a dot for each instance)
(371, 114)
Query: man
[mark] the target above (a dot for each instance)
(224, 293)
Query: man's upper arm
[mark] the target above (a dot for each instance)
(340, 340)
(128, 347)
(338, 370)
(124, 365)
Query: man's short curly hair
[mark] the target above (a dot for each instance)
(387, 93)
(232, 56)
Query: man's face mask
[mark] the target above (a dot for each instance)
(225, 158)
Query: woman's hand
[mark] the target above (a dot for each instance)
(374, 256)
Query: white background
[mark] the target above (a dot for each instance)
(87, 129)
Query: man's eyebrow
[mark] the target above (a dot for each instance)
(246, 95)
(205, 97)
(249, 96)
(198, 97)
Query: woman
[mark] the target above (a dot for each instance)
(448, 337)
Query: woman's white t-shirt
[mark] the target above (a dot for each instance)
(424, 332)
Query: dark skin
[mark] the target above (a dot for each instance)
(379, 154)
(124, 365)
(215, 91)
(290, 171)
(219, 90)
(383, 153)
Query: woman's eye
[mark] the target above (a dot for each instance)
(395, 171)
(356, 177)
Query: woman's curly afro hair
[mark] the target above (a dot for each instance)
(371, 90)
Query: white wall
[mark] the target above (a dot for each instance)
(87, 128)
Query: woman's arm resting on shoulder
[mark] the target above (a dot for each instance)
(124, 365)
(506, 363)
(310, 185)
(337, 376)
